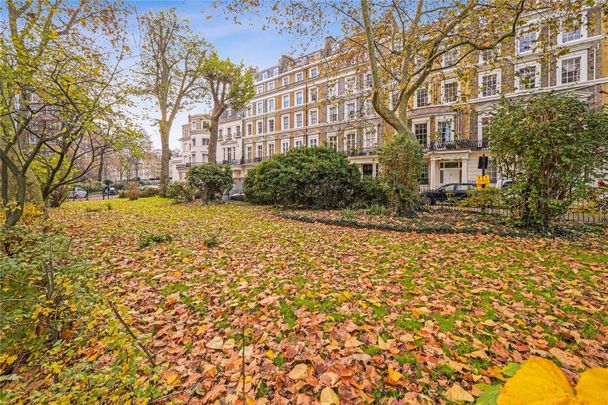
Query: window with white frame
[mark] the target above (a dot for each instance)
(332, 90)
(270, 104)
(260, 152)
(527, 77)
(422, 97)
(489, 84)
(350, 110)
(270, 149)
(526, 42)
(238, 130)
(571, 69)
(275, 71)
(285, 122)
(193, 124)
(264, 75)
(350, 84)
(286, 101)
(249, 110)
(370, 138)
(421, 132)
(299, 97)
(260, 127)
(313, 72)
(298, 142)
(229, 133)
(444, 130)
(286, 81)
(299, 76)
(449, 91)
(449, 58)
(313, 94)
(249, 153)
(249, 129)
(313, 117)
(572, 32)
(350, 142)
(332, 113)
(219, 133)
(299, 120)
(260, 107)
(483, 122)
(368, 81)
(332, 142)
(271, 85)
(259, 89)
(487, 55)
(271, 125)
(285, 145)
(313, 141)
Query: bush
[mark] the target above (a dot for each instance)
(181, 191)
(149, 192)
(132, 191)
(372, 191)
(550, 146)
(401, 165)
(58, 197)
(211, 180)
(484, 198)
(304, 177)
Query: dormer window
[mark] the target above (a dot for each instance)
(264, 75)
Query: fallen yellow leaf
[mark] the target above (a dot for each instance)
(329, 397)
(270, 354)
(171, 378)
(393, 376)
(592, 387)
(536, 381)
(299, 372)
(458, 394)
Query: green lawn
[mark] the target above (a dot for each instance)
(373, 314)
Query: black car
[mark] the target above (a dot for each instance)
(452, 191)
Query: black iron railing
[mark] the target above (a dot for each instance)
(458, 144)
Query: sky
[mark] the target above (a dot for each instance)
(246, 42)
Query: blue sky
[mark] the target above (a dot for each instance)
(246, 42)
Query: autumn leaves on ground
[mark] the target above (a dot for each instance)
(337, 314)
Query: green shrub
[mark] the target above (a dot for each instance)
(401, 165)
(181, 191)
(304, 177)
(550, 146)
(153, 239)
(372, 191)
(484, 198)
(149, 192)
(211, 180)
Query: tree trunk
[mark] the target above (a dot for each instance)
(100, 171)
(213, 130)
(165, 158)
(13, 214)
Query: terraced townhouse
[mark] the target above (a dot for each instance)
(299, 102)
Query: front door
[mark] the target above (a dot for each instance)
(450, 172)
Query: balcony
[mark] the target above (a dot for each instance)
(232, 162)
(458, 144)
(362, 151)
(183, 165)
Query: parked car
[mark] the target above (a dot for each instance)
(78, 192)
(505, 183)
(237, 197)
(452, 191)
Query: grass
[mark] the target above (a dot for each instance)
(302, 289)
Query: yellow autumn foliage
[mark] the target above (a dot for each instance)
(540, 382)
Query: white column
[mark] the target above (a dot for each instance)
(432, 174)
(465, 170)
